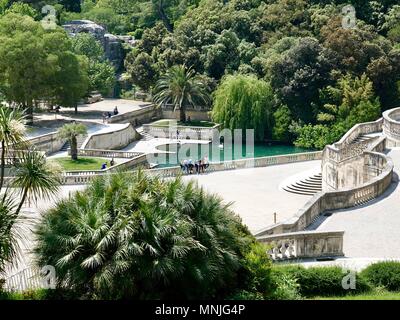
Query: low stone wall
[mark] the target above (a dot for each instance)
(311, 244)
(106, 153)
(85, 177)
(48, 143)
(194, 133)
(245, 163)
(196, 115)
(147, 113)
(112, 140)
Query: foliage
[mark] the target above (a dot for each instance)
(70, 132)
(386, 274)
(244, 102)
(351, 101)
(37, 64)
(132, 235)
(181, 87)
(324, 281)
(282, 124)
(101, 73)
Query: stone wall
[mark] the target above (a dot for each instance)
(112, 140)
(48, 143)
(147, 113)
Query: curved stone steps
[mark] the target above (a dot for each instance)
(306, 186)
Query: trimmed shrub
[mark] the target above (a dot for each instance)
(321, 281)
(385, 274)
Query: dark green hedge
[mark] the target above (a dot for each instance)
(322, 281)
(385, 274)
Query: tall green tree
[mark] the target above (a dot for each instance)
(181, 87)
(244, 102)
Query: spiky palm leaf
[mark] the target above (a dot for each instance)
(181, 87)
(132, 235)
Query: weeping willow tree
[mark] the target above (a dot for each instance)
(244, 102)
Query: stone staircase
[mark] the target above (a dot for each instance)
(361, 138)
(306, 186)
(145, 136)
(317, 221)
(80, 140)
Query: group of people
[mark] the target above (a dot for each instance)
(199, 166)
(108, 115)
(104, 165)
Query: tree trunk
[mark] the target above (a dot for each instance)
(74, 148)
(3, 154)
(182, 114)
(76, 108)
(29, 115)
(164, 17)
(22, 201)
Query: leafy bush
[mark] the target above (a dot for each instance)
(322, 281)
(385, 274)
(287, 287)
(130, 235)
(259, 265)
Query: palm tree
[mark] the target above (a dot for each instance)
(13, 229)
(36, 178)
(129, 235)
(12, 134)
(181, 87)
(71, 131)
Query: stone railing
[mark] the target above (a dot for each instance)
(340, 199)
(106, 153)
(391, 125)
(26, 279)
(245, 163)
(196, 133)
(359, 129)
(116, 139)
(85, 177)
(299, 245)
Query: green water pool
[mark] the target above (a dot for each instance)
(218, 153)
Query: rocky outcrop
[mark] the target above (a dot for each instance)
(112, 44)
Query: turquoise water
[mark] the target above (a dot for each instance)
(216, 153)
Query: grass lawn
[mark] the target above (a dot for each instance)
(167, 122)
(373, 295)
(91, 163)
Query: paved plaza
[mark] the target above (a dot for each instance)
(256, 193)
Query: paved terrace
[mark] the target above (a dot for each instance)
(256, 193)
(371, 230)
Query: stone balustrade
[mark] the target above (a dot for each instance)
(85, 177)
(106, 153)
(245, 163)
(298, 245)
(195, 133)
(340, 199)
(358, 130)
(391, 126)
